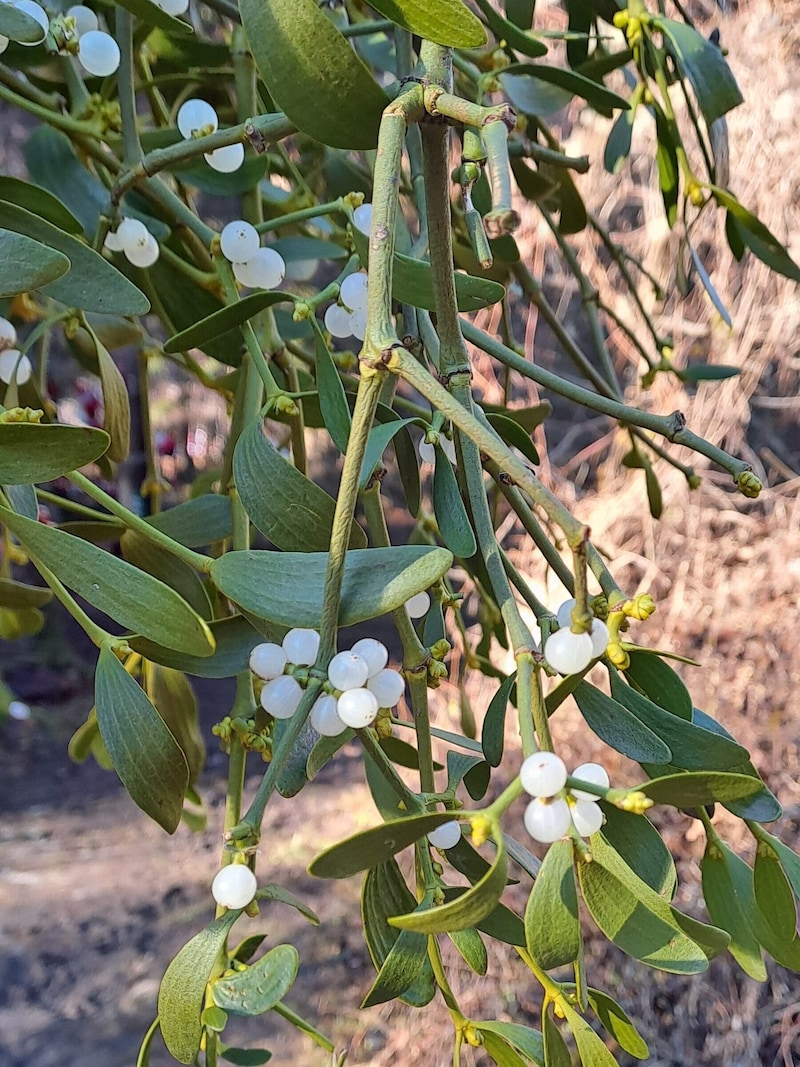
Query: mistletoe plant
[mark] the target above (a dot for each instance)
(335, 125)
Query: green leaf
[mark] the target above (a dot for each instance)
(618, 727)
(215, 1019)
(520, 12)
(695, 789)
(19, 26)
(728, 892)
(708, 372)
(660, 683)
(116, 404)
(145, 754)
(573, 217)
(332, 399)
(556, 1053)
(591, 1050)
(224, 320)
(286, 587)
(307, 249)
(234, 639)
(446, 22)
(201, 176)
(384, 893)
(533, 184)
(52, 162)
(762, 806)
(22, 499)
(753, 234)
(261, 986)
(129, 596)
(451, 515)
(153, 15)
(494, 722)
(477, 779)
(642, 847)
(380, 436)
(692, 747)
(617, 1024)
(91, 284)
(309, 69)
(773, 893)
(285, 896)
(667, 164)
(371, 847)
(289, 509)
(512, 32)
(38, 200)
(39, 452)
(18, 595)
(703, 65)
(469, 945)
(528, 1041)
(539, 89)
(552, 924)
(186, 303)
(789, 861)
(499, 1050)
(403, 754)
(199, 521)
(411, 282)
(174, 700)
(25, 264)
(618, 145)
(246, 1057)
(633, 916)
(580, 14)
(183, 988)
(711, 939)
(513, 435)
(466, 910)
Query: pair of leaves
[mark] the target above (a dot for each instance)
(287, 587)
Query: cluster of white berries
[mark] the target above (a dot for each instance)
(98, 52)
(253, 266)
(570, 653)
(197, 118)
(348, 318)
(548, 816)
(135, 241)
(14, 366)
(359, 682)
(427, 452)
(234, 886)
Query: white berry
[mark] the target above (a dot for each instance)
(418, 605)
(19, 710)
(267, 661)
(357, 708)
(281, 696)
(98, 53)
(388, 687)
(144, 254)
(4, 43)
(543, 774)
(8, 334)
(374, 653)
(347, 670)
(587, 817)
(362, 217)
(427, 453)
(112, 242)
(600, 637)
(14, 367)
(445, 836)
(358, 323)
(338, 321)
(353, 291)
(226, 159)
(37, 12)
(325, 717)
(448, 447)
(265, 270)
(564, 613)
(239, 241)
(301, 647)
(590, 772)
(567, 652)
(131, 233)
(547, 820)
(85, 19)
(196, 117)
(174, 7)
(234, 886)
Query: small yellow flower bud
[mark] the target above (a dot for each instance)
(749, 484)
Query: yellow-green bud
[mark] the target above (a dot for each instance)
(441, 649)
(641, 607)
(286, 406)
(618, 656)
(749, 484)
(481, 830)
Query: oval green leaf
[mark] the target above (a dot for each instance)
(494, 722)
(642, 847)
(446, 22)
(18, 595)
(592, 1051)
(660, 683)
(52, 162)
(227, 318)
(552, 924)
(451, 515)
(617, 1023)
(510, 32)
(286, 587)
(261, 986)
(131, 597)
(694, 789)
(19, 26)
(153, 15)
(289, 509)
(199, 521)
(183, 987)
(466, 910)
(39, 201)
(39, 452)
(728, 892)
(332, 398)
(702, 63)
(234, 639)
(92, 284)
(402, 968)
(614, 724)
(523, 84)
(26, 264)
(513, 434)
(310, 70)
(378, 441)
(556, 1053)
(371, 847)
(116, 404)
(523, 1038)
(145, 754)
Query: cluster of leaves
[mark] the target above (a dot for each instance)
(305, 88)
